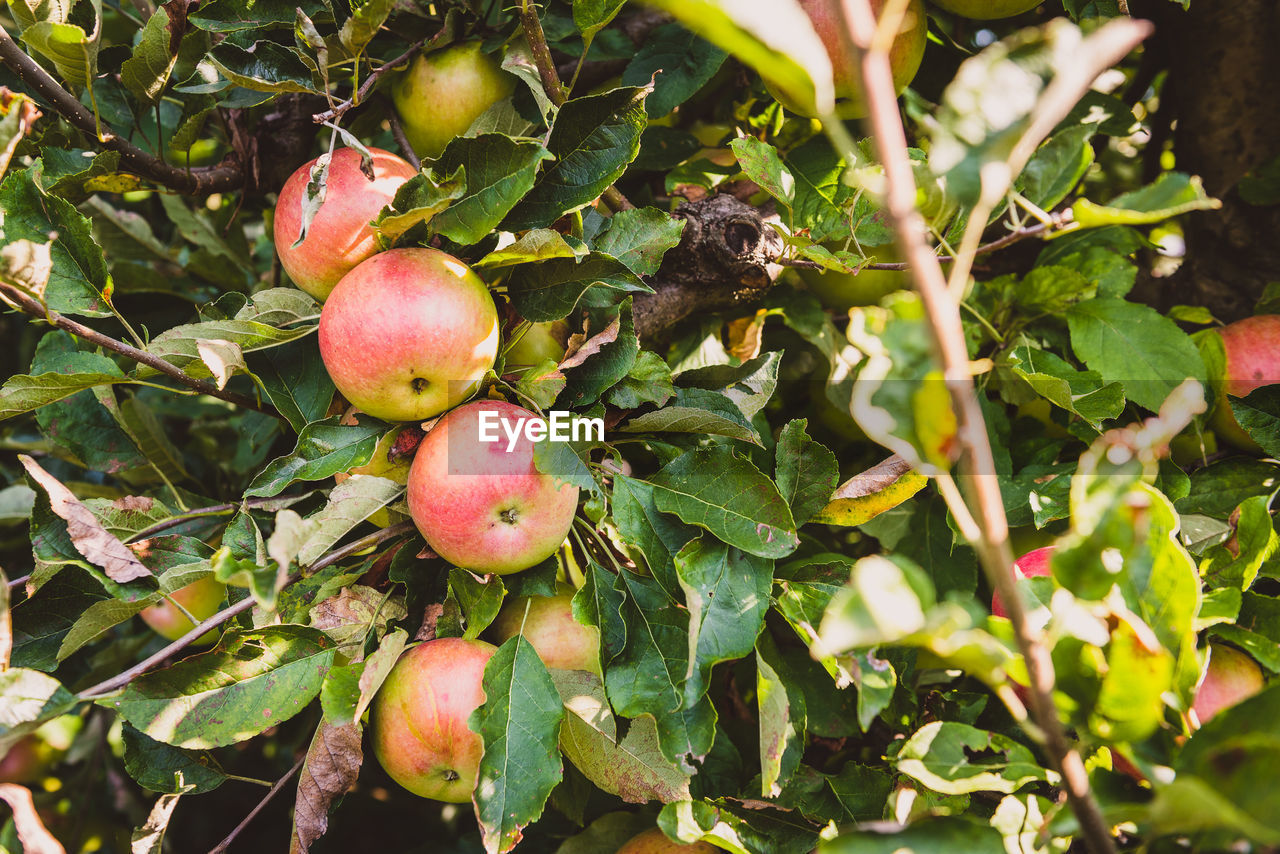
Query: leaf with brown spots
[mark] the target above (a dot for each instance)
(87, 534)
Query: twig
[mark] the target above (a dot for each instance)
(15, 583)
(397, 133)
(553, 87)
(948, 333)
(189, 515)
(1059, 219)
(228, 175)
(120, 680)
(253, 813)
(367, 86)
(32, 307)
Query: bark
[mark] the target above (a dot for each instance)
(724, 260)
(1223, 75)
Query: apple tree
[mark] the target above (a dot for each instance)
(926, 359)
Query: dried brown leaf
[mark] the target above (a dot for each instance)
(592, 345)
(92, 540)
(332, 766)
(149, 839)
(32, 834)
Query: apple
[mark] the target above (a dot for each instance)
(1252, 350)
(30, 757)
(654, 841)
(420, 732)
(339, 236)
(481, 506)
(560, 640)
(201, 598)
(1029, 565)
(987, 10)
(444, 91)
(408, 334)
(538, 343)
(842, 291)
(904, 56)
(1229, 677)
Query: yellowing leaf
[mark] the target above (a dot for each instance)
(865, 496)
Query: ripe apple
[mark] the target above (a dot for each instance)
(408, 334)
(480, 506)
(537, 343)
(654, 841)
(560, 640)
(842, 291)
(1029, 565)
(444, 91)
(1252, 350)
(201, 598)
(987, 10)
(339, 236)
(420, 732)
(1229, 677)
(904, 56)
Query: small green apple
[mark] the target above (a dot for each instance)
(201, 598)
(842, 291)
(536, 343)
(444, 91)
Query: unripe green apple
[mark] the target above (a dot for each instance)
(483, 505)
(1230, 677)
(987, 10)
(654, 841)
(30, 757)
(408, 334)
(419, 730)
(538, 343)
(1029, 565)
(560, 640)
(201, 598)
(904, 56)
(444, 91)
(339, 236)
(1252, 350)
(842, 291)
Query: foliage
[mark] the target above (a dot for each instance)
(796, 646)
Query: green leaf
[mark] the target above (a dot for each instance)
(760, 161)
(230, 16)
(73, 52)
(805, 470)
(366, 19)
(146, 73)
(30, 698)
(349, 689)
(592, 16)
(749, 385)
(167, 769)
(727, 594)
(655, 536)
(499, 172)
(550, 290)
(679, 63)
(954, 758)
(266, 67)
(1258, 413)
(593, 140)
(253, 680)
(324, 448)
(632, 768)
(774, 37)
(640, 237)
(1081, 393)
(885, 601)
(725, 494)
(697, 411)
(648, 381)
(181, 345)
(1220, 487)
(479, 597)
(1172, 194)
(646, 675)
(927, 836)
(520, 724)
(295, 381)
(539, 244)
(603, 360)
(866, 495)
(780, 729)
(419, 200)
(1058, 166)
(1134, 345)
(79, 279)
(23, 393)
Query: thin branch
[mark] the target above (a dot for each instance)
(1059, 220)
(31, 306)
(18, 582)
(119, 681)
(397, 133)
(948, 333)
(553, 87)
(253, 813)
(367, 86)
(228, 175)
(199, 512)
